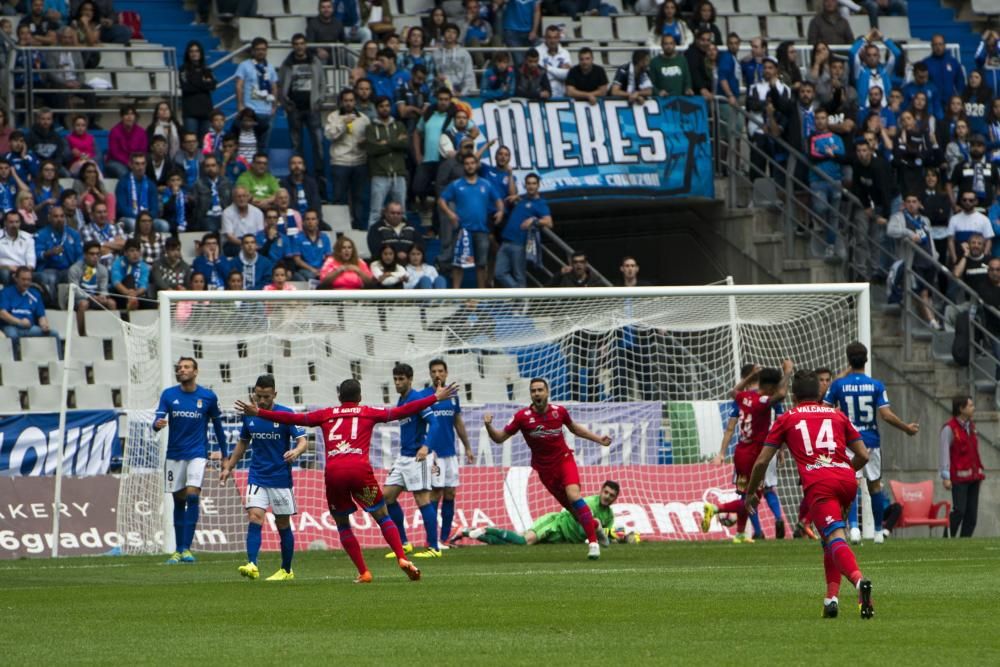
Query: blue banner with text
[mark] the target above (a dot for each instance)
(612, 149)
(29, 443)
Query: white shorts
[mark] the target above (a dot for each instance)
(181, 474)
(873, 469)
(281, 501)
(411, 474)
(771, 476)
(445, 473)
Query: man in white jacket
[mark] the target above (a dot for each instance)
(345, 128)
(556, 61)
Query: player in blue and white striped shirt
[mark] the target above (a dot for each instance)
(269, 483)
(187, 408)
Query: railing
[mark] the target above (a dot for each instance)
(164, 75)
(541, 275)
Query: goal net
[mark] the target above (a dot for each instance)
(651, 367)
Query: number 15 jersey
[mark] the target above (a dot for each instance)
(859, 397)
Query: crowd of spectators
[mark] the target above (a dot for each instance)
(402, 143)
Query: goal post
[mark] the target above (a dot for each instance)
(650, 366)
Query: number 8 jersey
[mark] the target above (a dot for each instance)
(859, 397)
(816, 436)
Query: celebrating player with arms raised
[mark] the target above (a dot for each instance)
(187, 408)
(818, 437)
(541, 425)
(754, 421)
(347, 433)
(269, 483)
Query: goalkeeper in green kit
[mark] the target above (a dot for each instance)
(557, 527)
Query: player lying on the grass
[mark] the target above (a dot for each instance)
(347, 432)
(411, 471)
(818, 438)
(754, 421)
(771, 480)
(444, 471)
(864, 399)
(269, 482)
(187, 408)
(557, 527)
(541, 424)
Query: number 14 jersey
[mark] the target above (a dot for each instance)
(816, 436)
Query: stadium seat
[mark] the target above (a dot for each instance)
(20, 373)
(989, 7)
(144, 318)
(111, 373)
(66, 183)
(57, 320)
(859, 24)
(302, 8)
(189, 242)
(917, 51)
(113, 60)
(44, 398)
(724, 8)
(103, 324)
(596, 29)
(133, 83)
(404, 23)
(791, 7)
(896, 28)
(251, 28)
(360, 238)
(42, 349)
(489, 391)
(87, 349)
(286, 26)
(93, 397)
(277, 8)
(338, 216)
(418, 6)
(6, 349)
(756, 7)
(632, 28)
(747, 27)
(782, 28)
(147, 59)
(276, 55)
(918, 506)
(10, 400)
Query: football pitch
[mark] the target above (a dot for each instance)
(680, 603)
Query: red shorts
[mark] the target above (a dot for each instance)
(827, 500)
(350, 485)
(743, 459)
(557, 476)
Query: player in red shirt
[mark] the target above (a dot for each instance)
(347, 433)
(541, 424)
(818, 438)
(754, 421)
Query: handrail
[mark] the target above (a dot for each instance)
(229, 56)
(569, 251)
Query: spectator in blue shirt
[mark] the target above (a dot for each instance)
(256, 89)
(945, 71)
(310, 248)
(499, 80)
(387, 79)
(137, 192)
(22, 160)
(521, 25)
(530, 214)
(471, 197)
(271, 242)
(922, 84)
(130, 277)
(21, 310)
(57, 247)
(729, 65)
(826, 151)
(211, 263)
(253, 266)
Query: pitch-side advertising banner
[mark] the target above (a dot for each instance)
(610, 149)
(29, 443)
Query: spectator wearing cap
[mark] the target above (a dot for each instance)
(387, 145)
(346, 129)
(829, 26)
(945, 71)
(977, 175)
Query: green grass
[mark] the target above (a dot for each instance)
(936, 601)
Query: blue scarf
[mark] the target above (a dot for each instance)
(216, 203)
(263, 82)
(191, 169)
(301, 202)
(135, 195)
(7, 193)
(181, 213)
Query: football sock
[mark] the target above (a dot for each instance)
(803, 511)
(178, 523)
(190, 519)
(586, 519)
(832, 574)
(430, 517)
(878, 509)
(287, 547)
(391, 535)
(852, 514)
(755, 522)
(447, 516)
(843, 557)
(503, 536)
(396, 512)
(353, 549)
(253, 541)
(771, 496)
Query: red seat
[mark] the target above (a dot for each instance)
(917, 502)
